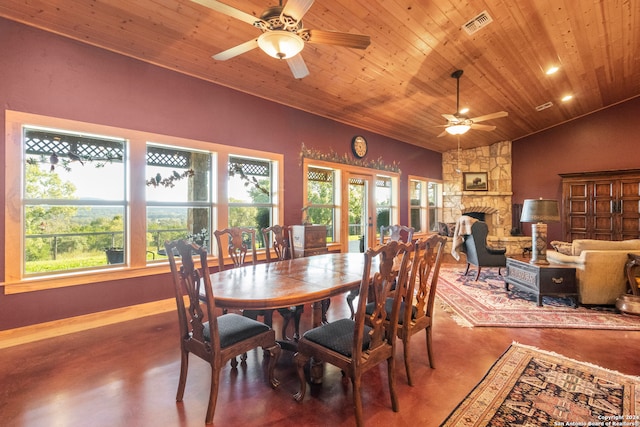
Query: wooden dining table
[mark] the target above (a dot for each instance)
(288, 283)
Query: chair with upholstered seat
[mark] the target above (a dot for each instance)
(212, 337)
(357, 345)
(241, 242)
(399, 233)
(418, 296)
(280, 246)
(478, 253)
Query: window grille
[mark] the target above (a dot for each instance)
(45, 143)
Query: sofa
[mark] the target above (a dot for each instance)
(599, 264)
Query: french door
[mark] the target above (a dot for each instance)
(359, 218)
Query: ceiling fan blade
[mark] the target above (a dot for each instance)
(228, 10)
(451, 118)
(298, 67)
(444, 133)
(490, 116)
(296, 9)
(356, 41)
(482, 127)
(236, 50)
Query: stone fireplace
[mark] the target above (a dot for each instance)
(494, 206)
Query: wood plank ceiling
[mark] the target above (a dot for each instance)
(401, 84)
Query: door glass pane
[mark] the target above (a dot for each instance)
(383, 202)
(357, 214)
(415, 195)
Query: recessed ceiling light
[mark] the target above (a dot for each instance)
(552, 70)
(567, 98)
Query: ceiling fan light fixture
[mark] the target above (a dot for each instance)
(458, 129)
(280, 44)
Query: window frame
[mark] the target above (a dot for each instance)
(335, 206)
(136, 146)
(424, 208)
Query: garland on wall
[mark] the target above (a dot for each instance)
(345, 159)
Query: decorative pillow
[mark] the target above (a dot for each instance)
(562, 247)
(452, 228)
(443, 229)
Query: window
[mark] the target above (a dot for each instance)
(385, 210)
(321, 199)
(82, 198)
(250, 197)
(71, 218)
(337, 195)
(425, 204)
(178, 196)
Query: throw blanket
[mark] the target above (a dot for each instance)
(463, 228)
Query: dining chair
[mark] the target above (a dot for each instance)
(281, 247)
(418, 296)
(241, 242)
(357, 345)
(212, 337)
(399, 233)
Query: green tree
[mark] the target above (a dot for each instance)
(320, 193)
(41, 184)
(39, 219)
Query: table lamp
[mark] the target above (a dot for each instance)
(539, 212)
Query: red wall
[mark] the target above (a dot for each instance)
(605, 140)
(45, 74)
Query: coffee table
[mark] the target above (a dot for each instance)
(542, 279)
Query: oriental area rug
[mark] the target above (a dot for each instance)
(486, 302)
(531, 387)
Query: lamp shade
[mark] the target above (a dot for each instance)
(540, 210)
(280, 44)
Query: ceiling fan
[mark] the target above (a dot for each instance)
(283, 35)
(458, 123)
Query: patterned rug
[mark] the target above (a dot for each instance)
(530, 387)
(486, 303)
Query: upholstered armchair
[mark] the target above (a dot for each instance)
(478, 253)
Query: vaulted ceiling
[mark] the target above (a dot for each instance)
(401, 84)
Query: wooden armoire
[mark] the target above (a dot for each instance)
(601, 205)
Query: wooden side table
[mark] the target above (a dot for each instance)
(540, 280)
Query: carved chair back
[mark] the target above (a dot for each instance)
(241, 241)
(279, 243)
